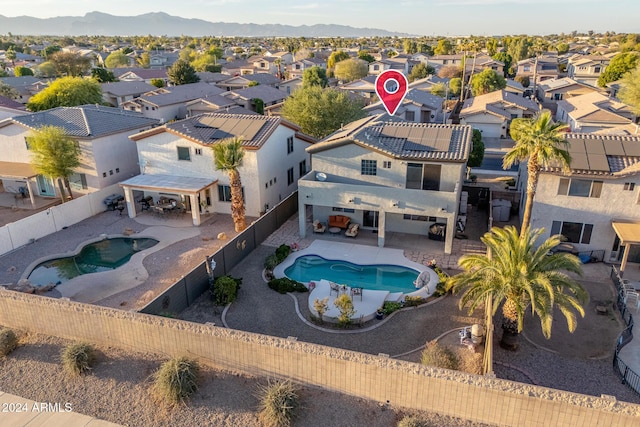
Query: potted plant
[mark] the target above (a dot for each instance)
(380, 313)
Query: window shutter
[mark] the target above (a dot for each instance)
(563, 189)
(555, 227)
(596, 189)
(586, 234)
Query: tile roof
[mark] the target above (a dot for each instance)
(605, 156)
(143, 73)
(495, 99)
(416, 97)
(209, 128)
(86, 121)
(10, 103)
(555, 84)
(404, 140)
(181, 93)
(595, 107)
(22, 81)
(126, 88)
(263, 79)
(268, 94)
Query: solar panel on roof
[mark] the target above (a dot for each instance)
(443, 139)
(253, 129)
(576, 145)
(579, 161)
(613, 148)
(594, 146)
(631, 148)
(598, 162)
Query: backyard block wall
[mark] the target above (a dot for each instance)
(41, 224)
(372, 377)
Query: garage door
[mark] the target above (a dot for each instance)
(488, 130)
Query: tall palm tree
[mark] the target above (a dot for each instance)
(55, 155)
(539, 141)
(227, 157)
(521, 275)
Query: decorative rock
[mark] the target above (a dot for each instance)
(128, 231)
(222, 236)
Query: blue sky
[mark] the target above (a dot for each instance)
(426, 17)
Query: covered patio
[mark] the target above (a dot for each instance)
(22, 172)
(629, 234)
(187, 187)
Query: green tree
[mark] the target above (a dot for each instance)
(336, 57)
(365, 56)
(521, 274)
(455, 86)
(487, 81)
(11, 55)
(320, 112)
(182, 73)
(420, 71)
(8, 91)
(102, 75)
(439, 89)
(619, 66)
(523, 80)
(22, 71)
(314, 76)
(562, 48)
(351, 69)
(476, 156)
(117, 59)
(444, 47)
(203, 61)
(506, 59)
(425, 48)
(54, 155)
(144, 60)
(50, 50)
(539, 142)
(157, 82)
(492, 46)
(227, 157)
(410, 46)
(67, 92)
(70, 64)
(46, 69)
(450, 71)
(259, 105)
(630, 89)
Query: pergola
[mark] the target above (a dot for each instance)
(182, 185)
(19, 171)
(629, 234)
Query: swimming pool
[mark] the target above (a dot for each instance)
(392, 278)
(107, 254)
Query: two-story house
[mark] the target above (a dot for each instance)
(558, 89)
(296, 69)
(388, 177)
(538, 69)
(594, 112)
(587, 69)
(140, 74)
(176, 161)
(418, 106)
(116, 93)
(248, 80)
(102, 133)
(601, 188)
(246, 98)
(24, 86)
(492, 112)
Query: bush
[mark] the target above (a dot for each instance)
(78, 358)
(411, 421)
(271, 262)
(278, 403)
(413, 301)
(225, 289)
(439, 356)
(283, 252)
(284, 285)
(8, 341)
(345, 307)
(471, 362)
(390, 306)
(321, 306)
(176, 380)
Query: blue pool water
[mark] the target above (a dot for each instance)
(392, 278)
(104, 255)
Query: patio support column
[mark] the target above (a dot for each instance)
(451, 232)
(195, 209)
(31, 196)
(382, 215)
(302, 218)
(131, 205)
(625, 257)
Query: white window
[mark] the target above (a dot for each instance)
(575, 232)
(629, 186)
(579, 187)
(369, 167)
(183, 153)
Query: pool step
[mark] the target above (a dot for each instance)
(394, 296)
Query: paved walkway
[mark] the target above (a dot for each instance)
(20, 412)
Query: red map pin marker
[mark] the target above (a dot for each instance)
(391, 87)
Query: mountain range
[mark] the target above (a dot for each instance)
(159, 24)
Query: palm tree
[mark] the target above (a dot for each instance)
(538, 140)
(55, 155)
(519, 274)
(227, 157)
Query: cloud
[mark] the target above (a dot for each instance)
(306, 6)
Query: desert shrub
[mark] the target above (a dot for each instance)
(8, 341)
(284, 285)
(390, 306)
(413, 301)
(278, 403)
(439, 356)
(470, 361)
(411, 421)
(271, 262)
(282, 252)
(176, 380)
(345, 307)
(78, 358)
(225, 289)
(321, 306)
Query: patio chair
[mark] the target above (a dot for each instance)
(356, 292)
(318, 227)
(352, 231)
(334, 287)
(632, 300)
